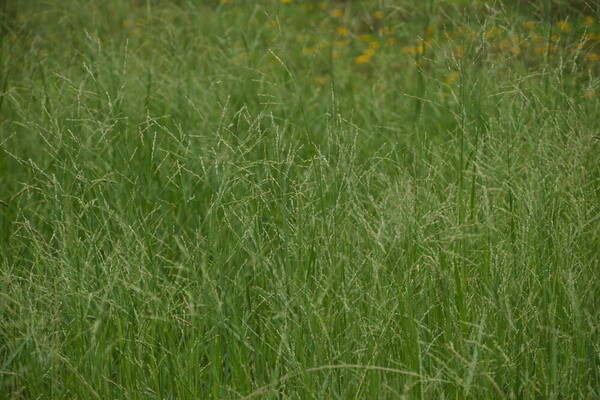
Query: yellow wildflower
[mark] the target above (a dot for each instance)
(392, 40)
(451, 77)
(408, 49)
(369, 52)
(429, 30)
(385, 31)
(459, 51)
(554, 37)
(365, 37)
(589, 93)
(563, 26)
(528, 24)
(593, 57)
(337, 12)
(378, 15)
(588, 20)
(516, 50)
(373, 44)
(362, 59)
(342, 31)
(491, 33)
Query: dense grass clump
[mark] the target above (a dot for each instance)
(299, 199)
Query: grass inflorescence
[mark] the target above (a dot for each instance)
(299, 199)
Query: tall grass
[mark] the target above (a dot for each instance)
(214, 200)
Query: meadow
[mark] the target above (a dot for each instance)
(286, 199)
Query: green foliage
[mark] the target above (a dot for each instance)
(267, 199)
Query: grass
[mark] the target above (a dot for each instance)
(238, 199)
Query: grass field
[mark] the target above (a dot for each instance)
(299, 199)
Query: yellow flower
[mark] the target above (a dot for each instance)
(362, 59)
(588, 20)
(451, 77)
(373, 44)
(589, 93)
(342, 31)
(491, 33)
(421, 45)
(429, 30)
(504, 44)
(392, 40)
(369, 52)
(341, 43)
(378, 15)
(563, 26)
(528, 24)
(286, 1)
(554, 37)
(408, 49)
(385, 31)
(516, 50)
(338, 12)
(459, 51)
(365, 37)
(593, 57)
